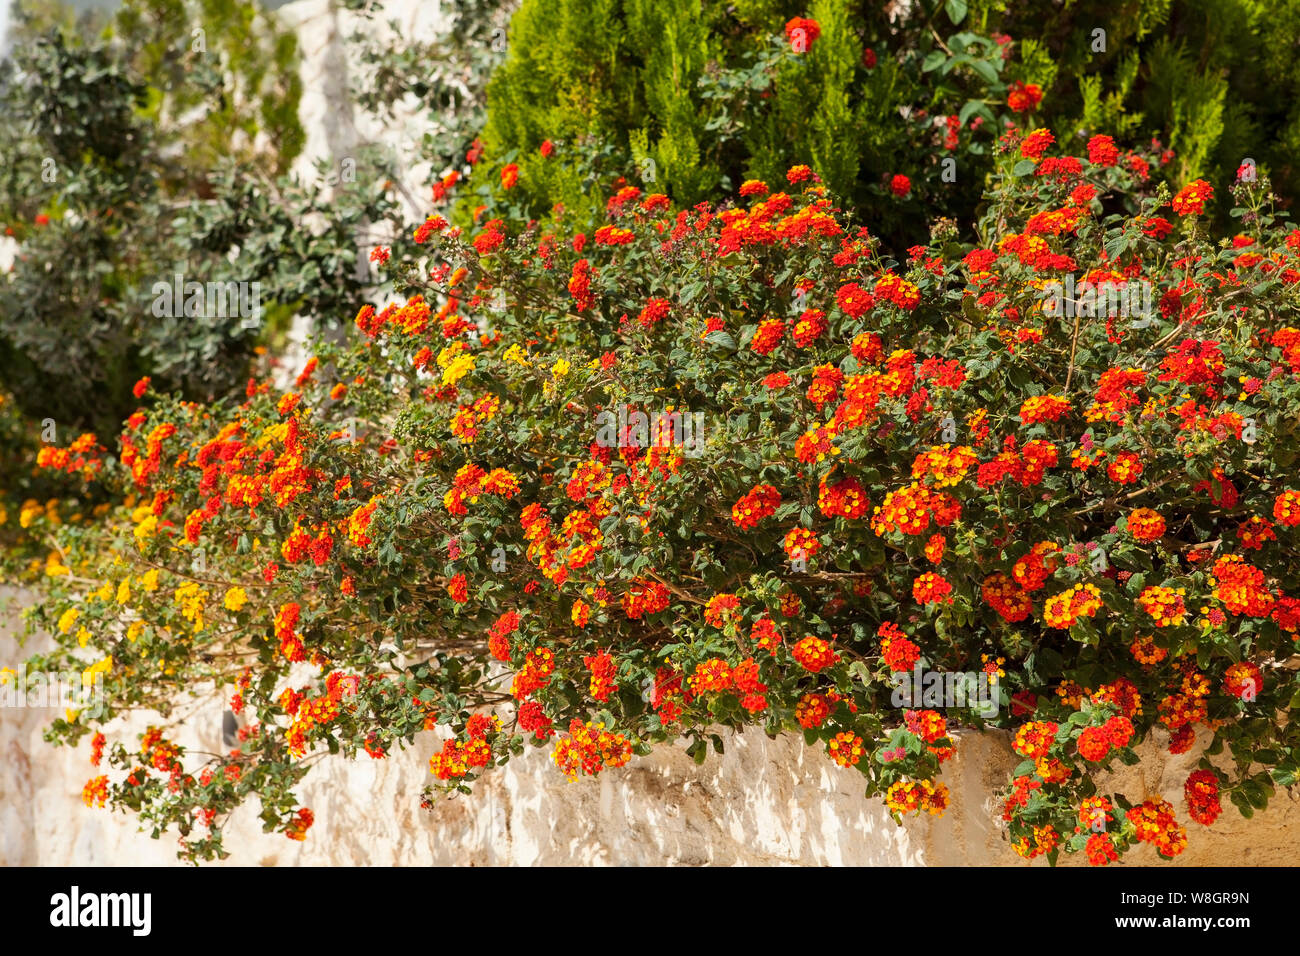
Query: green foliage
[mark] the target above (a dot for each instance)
(691, 99)
(221, 73)
(448, 74)
(570, 73)
(1107, 111)
(68, 335)
(1215, 80)
(133, 158)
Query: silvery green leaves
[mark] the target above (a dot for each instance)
(126, 196)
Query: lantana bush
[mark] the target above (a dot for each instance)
(602, 491)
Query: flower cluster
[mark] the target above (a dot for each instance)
(901, 459)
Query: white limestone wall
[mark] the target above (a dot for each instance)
(762, 802)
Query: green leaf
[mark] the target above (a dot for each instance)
(956, 10)
(985, 69)
(970, 107)
(1256, 794)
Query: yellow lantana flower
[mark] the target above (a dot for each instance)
(104, 666)
(236, 598)
(460, 366)
(517, 355)
(30, 512)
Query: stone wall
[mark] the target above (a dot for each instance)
(762, 802)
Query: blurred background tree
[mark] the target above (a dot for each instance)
(147, 145)
(1215, 80)
(703, 96)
